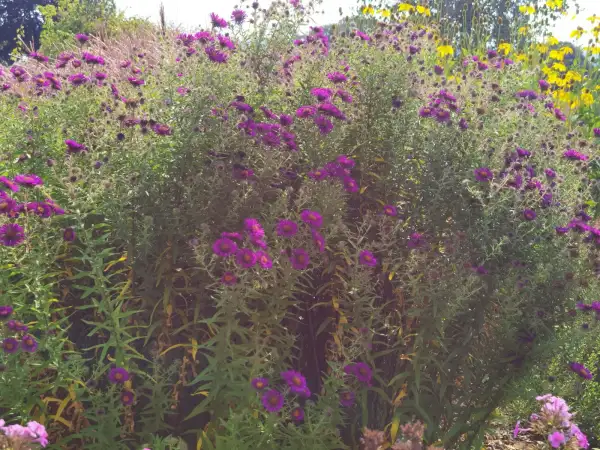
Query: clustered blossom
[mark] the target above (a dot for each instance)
(34, 432)
(440, 107)
(554, 423)
(340, 169)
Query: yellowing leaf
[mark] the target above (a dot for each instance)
(391, 275)
(394, 429)
(403, 392)
(194, 348)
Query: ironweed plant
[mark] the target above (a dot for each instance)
(266, 236)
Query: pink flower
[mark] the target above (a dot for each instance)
(556, 439)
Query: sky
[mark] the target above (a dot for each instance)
(194, 14)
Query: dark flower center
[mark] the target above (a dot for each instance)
(297, 381)
(118, 376)
(28, 341)
(362, 371)
(301, 258)
(260, 384)
(225, 247)
(247, 257)
(273, 400)
(9, 345)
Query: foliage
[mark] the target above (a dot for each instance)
(260, 239)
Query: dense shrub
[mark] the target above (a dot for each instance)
(265, 239)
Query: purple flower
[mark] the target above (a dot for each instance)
(127, 398)
(329, 109)
(246, 258)
(259, 383)
(38, 57)
(11, 234)
(215, 55)
(92, 59)
(517, 429)
(319, 241)
(29, 344)
(161, 129)
(74, 146)
(287, 228)
(82, 38)
(324, 124)
(425, 111)
(264, 260)
(272, 400)
(238, 16)
(10, 345)
(438, 70)
(6, 182)
(78, 79)
(225, 42)
(337, 77)
(482, 66)
(136, 81)
(298, 414)
(16, 325)
(523, 153)
(347, 399)
(345, 96)
(361, 371)
(559, 115)
(550, 173)
(597, 132)
(311, 218)
(463, 124)
(5, 311)
(40, 209)
(390, 210)
(29, 180)
(254, 228)
(581, 370)
(224, 247)
(295, 381)
(299, 259)
(228, 279)
(529, 214)
(492, 53)
(415, 240)
(350, 184)
(306, 111)
(285, 120)
(217, 22)
(322, 94)
(528, 94)
(7, 204)
(345, 162)
(442, 116)
(556, 439)
(366, 258)
(118, 375)
(575, 155)
(544, 85)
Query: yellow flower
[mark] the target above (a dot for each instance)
(567, 50)
(527, 9)
(445, 50)
(385, 12)
(574, 104)
(554, 4)
(572, 76)
(597, 87)
(423, 10)
(593, 50)
(548, 71)
(504, 47)
(368, 10)
(405, 7)
(521, 57)
(560, 67)
(577, 33)
(523, 30)
(542, 48)
(557, 55)
(587, 98)
(594, 18)
(552, 41)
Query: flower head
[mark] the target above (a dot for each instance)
(118, 375)
(238, 16)
(272, 400)
(217, 22)
(581, 370)
(295, 381)
(350, 184)
(298, 414)
(337, 77)
(311, 218)
(228, 279)
(366, 258)
(390, 210)
(319, 241)
(215, 55)
(16, 325)
(74, 146)
(81, 38)
(287, 228)
(69, 234)
(78, 79)
(7, 204)
(259, 383)
(306, 111)
(246, 258)
(5, 311)
(529, 214)
(127, 398)
(161, 129)
(10, 345)
(9, 184)
(29, 180)
(361, 371)
(347, 399)
(29, 344)
(575, 155)
(556, 439)
(254, 228)
(264, 260)
(324, 124)
(299, 259)
(224, 247)
(11, 234)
